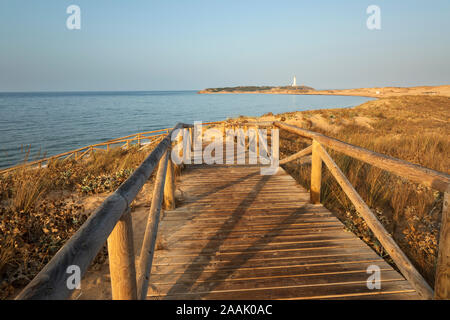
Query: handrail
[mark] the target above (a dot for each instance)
(132, 137)
(84, 245)
(434, 179)
(400, 259)
(86, 149)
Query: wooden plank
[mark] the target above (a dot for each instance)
(240, 220)
(249, 214)
(235, 224)
(307, 248)
(236, 273)
(230, 244)
(249, 242)
(166, 257)
(256, 234)
(289, 281)
(242, 263)
(259, 227)
(377, 295)
(302, 291)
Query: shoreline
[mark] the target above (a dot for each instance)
(376, 92)
(297, 94)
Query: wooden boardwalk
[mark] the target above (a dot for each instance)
(233, 233)
(237, 234)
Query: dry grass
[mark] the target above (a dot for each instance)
(40, 209)
(29, 188)
(412, 128)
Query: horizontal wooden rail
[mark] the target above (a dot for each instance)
(428, 177)
(127, 139)
(136, 134)
(297, 155)
(83, 246)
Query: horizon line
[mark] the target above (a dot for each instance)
(95, 91)
(172, 90)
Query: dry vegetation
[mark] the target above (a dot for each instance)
(412, 128)
(41, 208)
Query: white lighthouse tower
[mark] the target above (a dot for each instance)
(294, 82)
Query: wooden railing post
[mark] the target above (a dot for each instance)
(442, 283)
(316, 173)
(121, 260)
(169, 187)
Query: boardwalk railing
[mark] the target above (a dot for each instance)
(111, 222)
(80, 153)
(434, 179)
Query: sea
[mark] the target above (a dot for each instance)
(48, 123)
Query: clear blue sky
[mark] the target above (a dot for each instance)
(165, 45)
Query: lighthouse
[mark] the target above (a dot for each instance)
(294, 82)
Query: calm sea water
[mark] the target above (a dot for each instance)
(58, 122)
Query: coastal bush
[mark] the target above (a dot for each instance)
(104, 183)
(28, 239)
